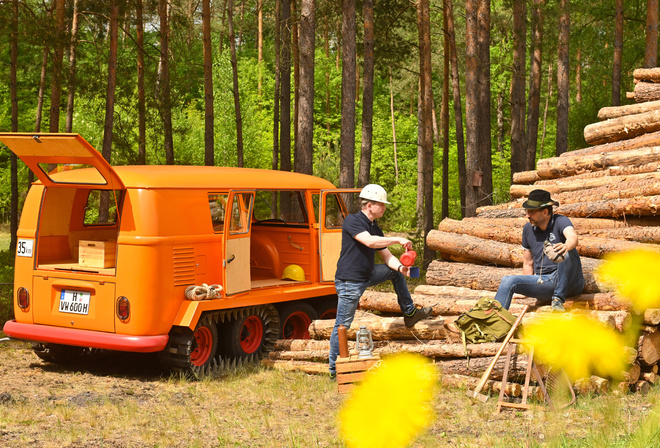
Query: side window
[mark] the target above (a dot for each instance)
(101, 207)
(285, 207)
(240, 213)
(334, 211)
(218, 208)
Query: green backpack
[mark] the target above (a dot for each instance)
(487, 321)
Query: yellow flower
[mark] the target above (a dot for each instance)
(633, 275)
(391, 405)
(579, 345)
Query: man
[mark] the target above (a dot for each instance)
(356, 269)
(544, 278)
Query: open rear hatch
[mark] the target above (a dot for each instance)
(47, 155)
(70, 239)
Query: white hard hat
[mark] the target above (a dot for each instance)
(374, 192)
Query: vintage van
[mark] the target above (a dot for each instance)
(206, 265)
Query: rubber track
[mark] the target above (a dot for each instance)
(176, 355)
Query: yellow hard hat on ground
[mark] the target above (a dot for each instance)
(293, 272)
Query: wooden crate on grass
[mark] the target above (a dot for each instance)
(351, 370)
(97, 254)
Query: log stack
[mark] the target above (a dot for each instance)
(611, 193)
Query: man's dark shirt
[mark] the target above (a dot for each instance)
(533, 238)
(356, 261)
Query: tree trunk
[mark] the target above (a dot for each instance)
(209, 159)
(458, 113)
(564, 167)
(607, 113)
(237, 99)
(444, 115)
(545, 110)
(651, 54)
(383, 328)
(649, 348)
(562, 77)
(649, 139)
(348, 69)
(72, 68)
(165, 99)
(578, 75)
(618, 53)
(142, 131)
(622, 128)
(473, 276)
(260, 44)
(427, 122)
(305, 141)
(13, 161)
(471, 247)
(484, 162)
(646, 91)
(111, 87)
(295, 52)
(58, 53)
(396, 161)
(647, 74)
(519, 151)
(476, 367)
(367, 95)
(276, 89)
(285, 87)
(471, 107)
(535, 84)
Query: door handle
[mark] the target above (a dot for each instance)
(231, 259)
(297, 246)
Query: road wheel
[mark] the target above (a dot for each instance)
(252, 333)
(204, 344)
(327, 308)
(295, 319)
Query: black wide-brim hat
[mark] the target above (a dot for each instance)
(539, 199)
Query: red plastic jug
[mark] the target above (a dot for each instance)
(408, 258)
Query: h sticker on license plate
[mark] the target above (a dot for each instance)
(76, 302)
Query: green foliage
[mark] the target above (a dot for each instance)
(396, 59)
(6, 289)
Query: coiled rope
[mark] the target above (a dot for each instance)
(204, 292)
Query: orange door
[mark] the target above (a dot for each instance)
(333, 210)
(237, 250)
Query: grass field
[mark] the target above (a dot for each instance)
(125, 401)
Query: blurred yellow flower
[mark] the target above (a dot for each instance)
(579, 345)
(633, 275)
(392, 405)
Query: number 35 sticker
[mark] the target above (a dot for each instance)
(24, 248)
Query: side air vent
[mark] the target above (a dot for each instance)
(184, 266)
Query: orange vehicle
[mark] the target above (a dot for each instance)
(206, 265)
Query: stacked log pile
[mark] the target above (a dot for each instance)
(611, 193)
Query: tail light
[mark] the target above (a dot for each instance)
(23, 298)
(123, 308)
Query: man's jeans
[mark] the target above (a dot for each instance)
(566, 281)
(349, 294)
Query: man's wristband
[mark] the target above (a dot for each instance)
(399, 268)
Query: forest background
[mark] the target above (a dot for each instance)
(439, 101)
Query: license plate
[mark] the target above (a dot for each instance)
(76, 302)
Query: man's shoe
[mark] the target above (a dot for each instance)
(557, 305)
(333, 377)
(418, 315)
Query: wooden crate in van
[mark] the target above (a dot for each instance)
(97, 254)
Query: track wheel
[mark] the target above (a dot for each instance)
(327, 309)
(295, 318)
(252, 333)
(204, 344)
